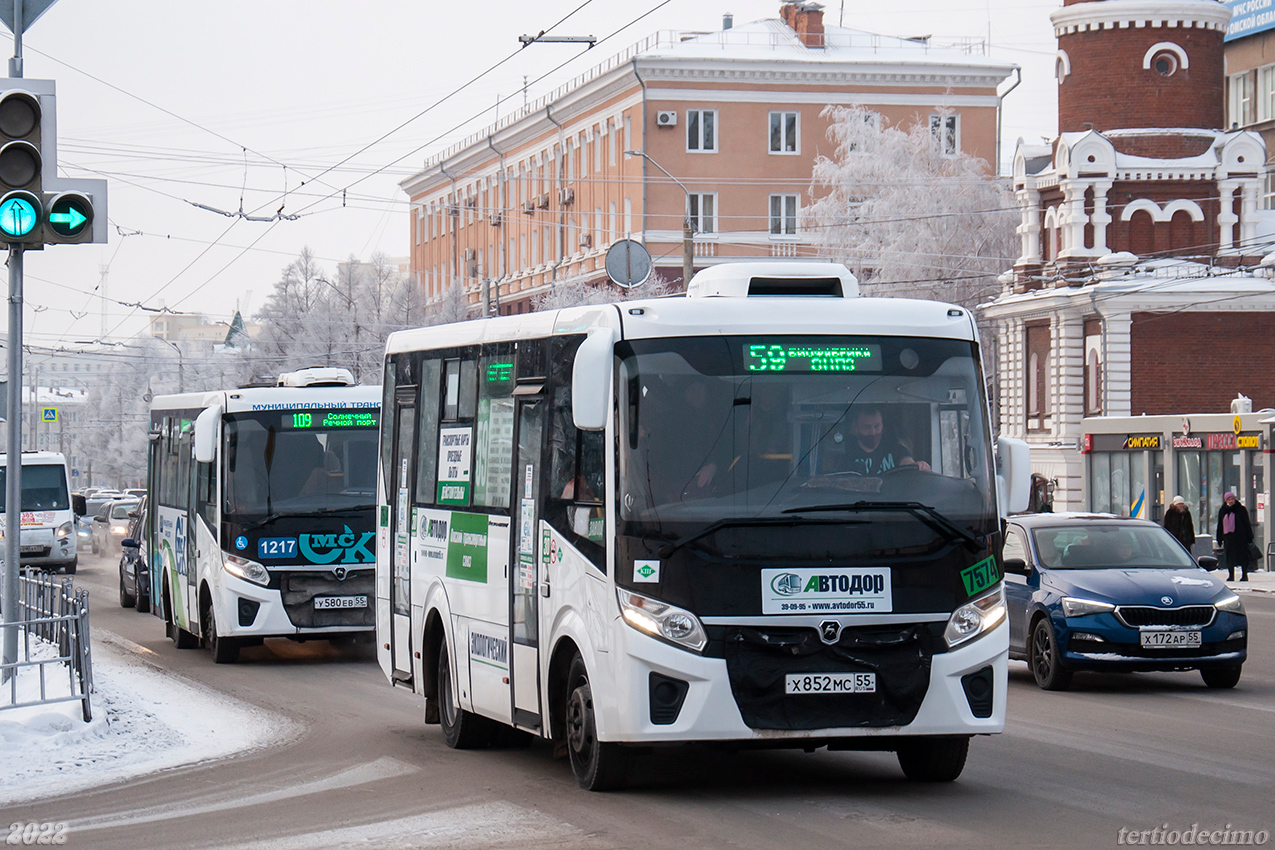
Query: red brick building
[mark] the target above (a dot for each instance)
(1139, 287)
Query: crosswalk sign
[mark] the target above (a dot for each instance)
(50, 414)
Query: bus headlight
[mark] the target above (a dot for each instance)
(65, 529)
(661, 620)
(247, 570)
(976, 617)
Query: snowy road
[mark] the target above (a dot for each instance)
(362, 770)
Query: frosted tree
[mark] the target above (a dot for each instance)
(908, 213)
(579, 292)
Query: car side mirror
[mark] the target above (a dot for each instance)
(1207, 561)
(1015, 565)
(129, 543)
(79, 505)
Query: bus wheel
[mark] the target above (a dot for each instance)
(598, 766)
(933, 759)
(225, 650)
(463, 730)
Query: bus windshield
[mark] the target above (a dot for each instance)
(297, 461)
(43, 488)
(738, 427)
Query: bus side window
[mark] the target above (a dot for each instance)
(577, 462)
(427, 436)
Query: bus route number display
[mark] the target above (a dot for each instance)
(323, 420)
(811, 357)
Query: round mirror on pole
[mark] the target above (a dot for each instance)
(628, 264)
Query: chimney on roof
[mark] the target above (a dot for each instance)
(806, 20)
(728, 21)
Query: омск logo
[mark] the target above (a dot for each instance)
(786, 584)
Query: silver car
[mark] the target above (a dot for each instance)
(110, 524)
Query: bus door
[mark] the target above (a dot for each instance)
(403, 473)
(526, 586)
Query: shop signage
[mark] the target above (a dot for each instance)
(1122, 442)
(1226, 442)
(1182, 441)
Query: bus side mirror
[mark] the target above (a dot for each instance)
(591, 380)
(207, 424)
(79, 505)
(1013, 475)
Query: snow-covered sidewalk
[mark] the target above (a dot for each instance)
(144, 720)
(1258, 581)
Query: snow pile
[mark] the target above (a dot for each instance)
(144, 720)
(57, 678)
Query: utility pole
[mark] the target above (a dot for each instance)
(688, 231)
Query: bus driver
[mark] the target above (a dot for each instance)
(869, 453)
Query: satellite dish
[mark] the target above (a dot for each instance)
(628, 264)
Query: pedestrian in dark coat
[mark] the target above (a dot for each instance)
(1179, 522)
(1236, 533)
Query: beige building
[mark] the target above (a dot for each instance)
(182, 327)
(733, 117)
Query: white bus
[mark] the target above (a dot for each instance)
(262, 511)
(48, 522)
(765, 513)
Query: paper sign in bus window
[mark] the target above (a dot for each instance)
(455, 446)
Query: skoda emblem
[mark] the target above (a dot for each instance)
(339, 573)
(829, 631)
(1167, 600)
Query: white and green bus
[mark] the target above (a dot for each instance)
(766, 513)
(262, 512)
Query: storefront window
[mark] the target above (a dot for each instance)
(1117, 482)
(1203, 478)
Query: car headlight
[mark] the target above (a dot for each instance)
(65, 529)
(247, 570)
(117, 530)
(976, 617)
(1231, 604)
(1073, 607)
(661, 620)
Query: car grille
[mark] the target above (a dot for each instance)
(298, 590)
(1137, 616)
(759, 659)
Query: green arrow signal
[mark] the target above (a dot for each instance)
(72, 218)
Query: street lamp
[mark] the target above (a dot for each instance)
(181, 365)
(688, 243)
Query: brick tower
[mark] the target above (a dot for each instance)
(1141, 164)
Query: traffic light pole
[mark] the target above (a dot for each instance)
(13, 465)
(13, 461)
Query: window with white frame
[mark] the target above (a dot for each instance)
(783, 215)
(1266, 93)
(1240, 100)
(945, 129)
(701, 130)
(783, 132)
(702, 211)
(1268, 191)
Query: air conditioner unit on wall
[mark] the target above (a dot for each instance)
(566, 196)
(496, 219)
(666, 118)
(542, 200)
(586, 240)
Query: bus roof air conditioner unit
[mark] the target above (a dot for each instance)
(317, 376)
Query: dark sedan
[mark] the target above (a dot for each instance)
(134, 573)
(1100, 592)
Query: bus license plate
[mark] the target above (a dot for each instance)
(830, 683)
(1170, 639)
(324, 602)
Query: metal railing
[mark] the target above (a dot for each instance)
(53, 639)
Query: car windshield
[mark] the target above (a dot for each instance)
(720, 428)
(1109, 546)
(43, 487)
(289, 461)
(121, 510)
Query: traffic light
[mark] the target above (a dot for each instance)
(21, 167)
(68, 218)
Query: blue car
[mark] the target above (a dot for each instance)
(1100, 592)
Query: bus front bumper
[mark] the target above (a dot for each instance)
(709, 710)
(254, 611)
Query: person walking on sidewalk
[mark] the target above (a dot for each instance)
(1236, 532)
(1179, 522)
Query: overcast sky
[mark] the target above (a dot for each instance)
(163, 97)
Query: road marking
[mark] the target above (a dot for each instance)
(478, 825)
(363, 774)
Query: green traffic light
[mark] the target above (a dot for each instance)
(18, 217)
(69, 214)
